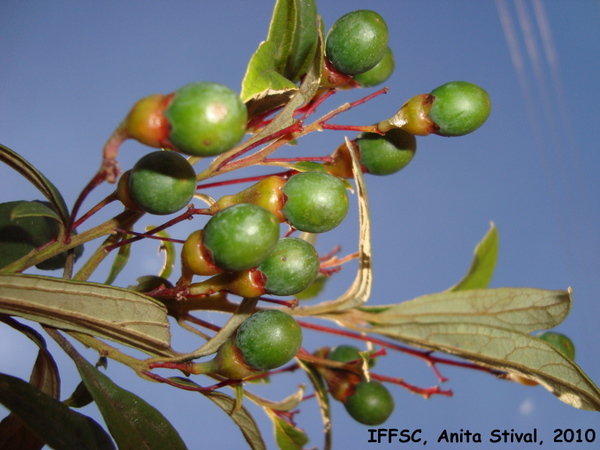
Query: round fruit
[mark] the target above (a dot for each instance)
(269, 339)
(370, 404)
(559, 341)
(387, 154)
(20, 235)
(316, 201)
(241, 237)
(291, 268)
(459, 108)
(356, 42)
(162, 182)
(206, 119)
(378, 74)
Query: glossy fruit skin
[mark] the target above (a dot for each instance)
(316, 201)
(195, 258)
(370, 404)
(378, 74)
(21, 235)
(206, 119)
(269, 339)
(387, 154)
(291, 268)
(356, 42)
(459, 108)
(560, 342)
(162, 182)
(241, 237)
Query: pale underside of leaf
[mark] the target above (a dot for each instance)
(104, 311)
(504, 350)
(521, 309)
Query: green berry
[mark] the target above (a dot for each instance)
(378, 74)
(370, 404)
(387, 154)
(241, 237)
(162, 182)
(291, 268)
(459, 108)
(269, 339)
(316, 201)
(206, 119)
(559, 341)
(20, 235)
(356, 42)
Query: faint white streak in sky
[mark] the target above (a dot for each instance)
(549, 128)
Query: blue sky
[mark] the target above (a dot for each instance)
(71, 70)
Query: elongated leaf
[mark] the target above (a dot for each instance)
(287, 436)
(14, 433)
(33, 209)
(323, 399)
(56, 424)
(108, 312)
(506, 350)
(133, 423)
(263, 81)
(35, 177)
(520, 309)
(293, 30)
(482, 267)
(119, 263)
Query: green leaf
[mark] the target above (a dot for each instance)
(133, 423)
(35, 177)
(119, 263)
(33, 209)
(287, 436)
(520, 309)
(108, 312)
(263, 83)
(293, 30)
(484, 262)
(506, 350)
(15, 434)
(489, 327)
(281, 60)
(56, 424)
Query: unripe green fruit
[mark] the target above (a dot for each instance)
(291, 268)
(241, 237)
(559, 341)
(162, 182)
(316, 201)
(356, 42)
(206, 119)
(378, 74)
(387, 154)
(370, 404)
(20, 235)
(459, 108)
(269, 339)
